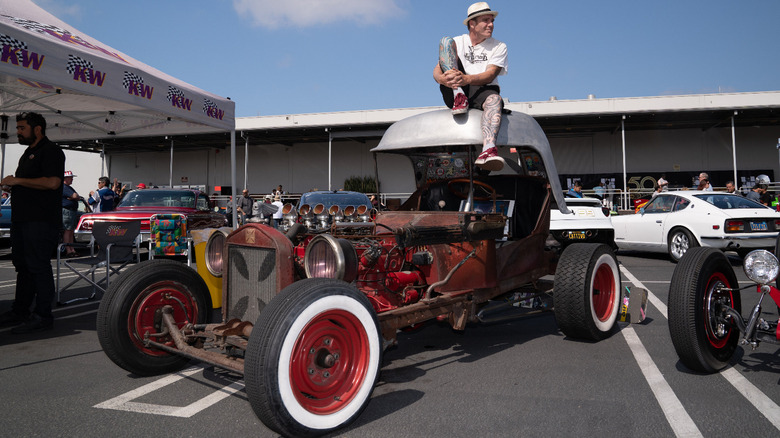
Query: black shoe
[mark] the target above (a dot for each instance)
(33, 325)
(11, 318)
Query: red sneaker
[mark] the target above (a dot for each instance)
(489, 160)
(461, 104)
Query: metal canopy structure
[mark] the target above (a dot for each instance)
(553, 126)
(91, 94)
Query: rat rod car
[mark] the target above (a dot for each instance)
(308, 314)
(705, 307)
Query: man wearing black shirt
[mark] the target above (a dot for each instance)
(36, 219)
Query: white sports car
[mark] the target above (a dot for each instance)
(675, 221)
(588, 221)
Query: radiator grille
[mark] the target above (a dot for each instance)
(251, 281)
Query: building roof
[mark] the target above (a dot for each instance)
(556, 117)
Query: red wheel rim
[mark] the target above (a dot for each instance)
(711, 298)
(145, 313)
(329, 363)
(604, 292)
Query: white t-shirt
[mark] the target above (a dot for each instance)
(278, 214)
(475, 59)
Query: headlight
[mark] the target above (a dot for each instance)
(761, 266)
(213, 253)
(329, 257)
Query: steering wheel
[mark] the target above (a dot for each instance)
(482, 191)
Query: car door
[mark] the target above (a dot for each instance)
(647, 230)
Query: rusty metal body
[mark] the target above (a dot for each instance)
(427, 260)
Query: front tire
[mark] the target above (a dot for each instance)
(313, 358)
(680, 241)
(130, 309)
(701, 343)
(587, 291)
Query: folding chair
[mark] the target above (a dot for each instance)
(118, 243)
(168, 236)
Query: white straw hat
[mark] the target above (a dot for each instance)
(478, 9)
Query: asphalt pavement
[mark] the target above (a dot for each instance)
(515, 378)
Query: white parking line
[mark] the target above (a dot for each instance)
(764, 404)
(682, 424)
(125, 401)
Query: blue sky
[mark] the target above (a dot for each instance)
(309, 56)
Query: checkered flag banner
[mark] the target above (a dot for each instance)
(37, 27)
(208, 105)
(132, 77)
(13, 43)
(173, 91)
(76, 61)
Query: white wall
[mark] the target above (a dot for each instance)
(85, 165)
(302, 167)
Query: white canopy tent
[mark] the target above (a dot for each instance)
(87, 90)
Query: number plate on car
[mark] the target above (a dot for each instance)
(576, 235)
(758, 226)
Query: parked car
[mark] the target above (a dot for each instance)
(587, 221)
(673, 222)
(5, 216)
(5, 220)
(308, 314)
(705, 307)
(140, 205)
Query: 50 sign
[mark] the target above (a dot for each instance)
(638, 185)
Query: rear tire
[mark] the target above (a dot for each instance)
(587, 291)
(313, 358)
(693, 323)
(128, 311)
(680, 241)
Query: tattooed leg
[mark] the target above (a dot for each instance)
(448, 55)
(491, 120)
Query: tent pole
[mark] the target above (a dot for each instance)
(233, 175)
(3, 139)
(624, 199)
(734, 149)
(170, 165)
(246, 161)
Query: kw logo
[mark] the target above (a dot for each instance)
(177, 99)
(135, 85)
(139, 89)
(212, 110)
(21, 57)
(89, 76)
(181, 102)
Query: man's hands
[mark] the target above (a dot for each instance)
(454, 79)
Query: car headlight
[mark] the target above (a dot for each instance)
(213, 254)
(761, 266)
(329, 257)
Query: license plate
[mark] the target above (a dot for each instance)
(576, 235)
(758, 226)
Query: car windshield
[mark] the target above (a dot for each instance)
(159, 198)
(340, 199)
(726, 202)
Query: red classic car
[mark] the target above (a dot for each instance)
(139, 205)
